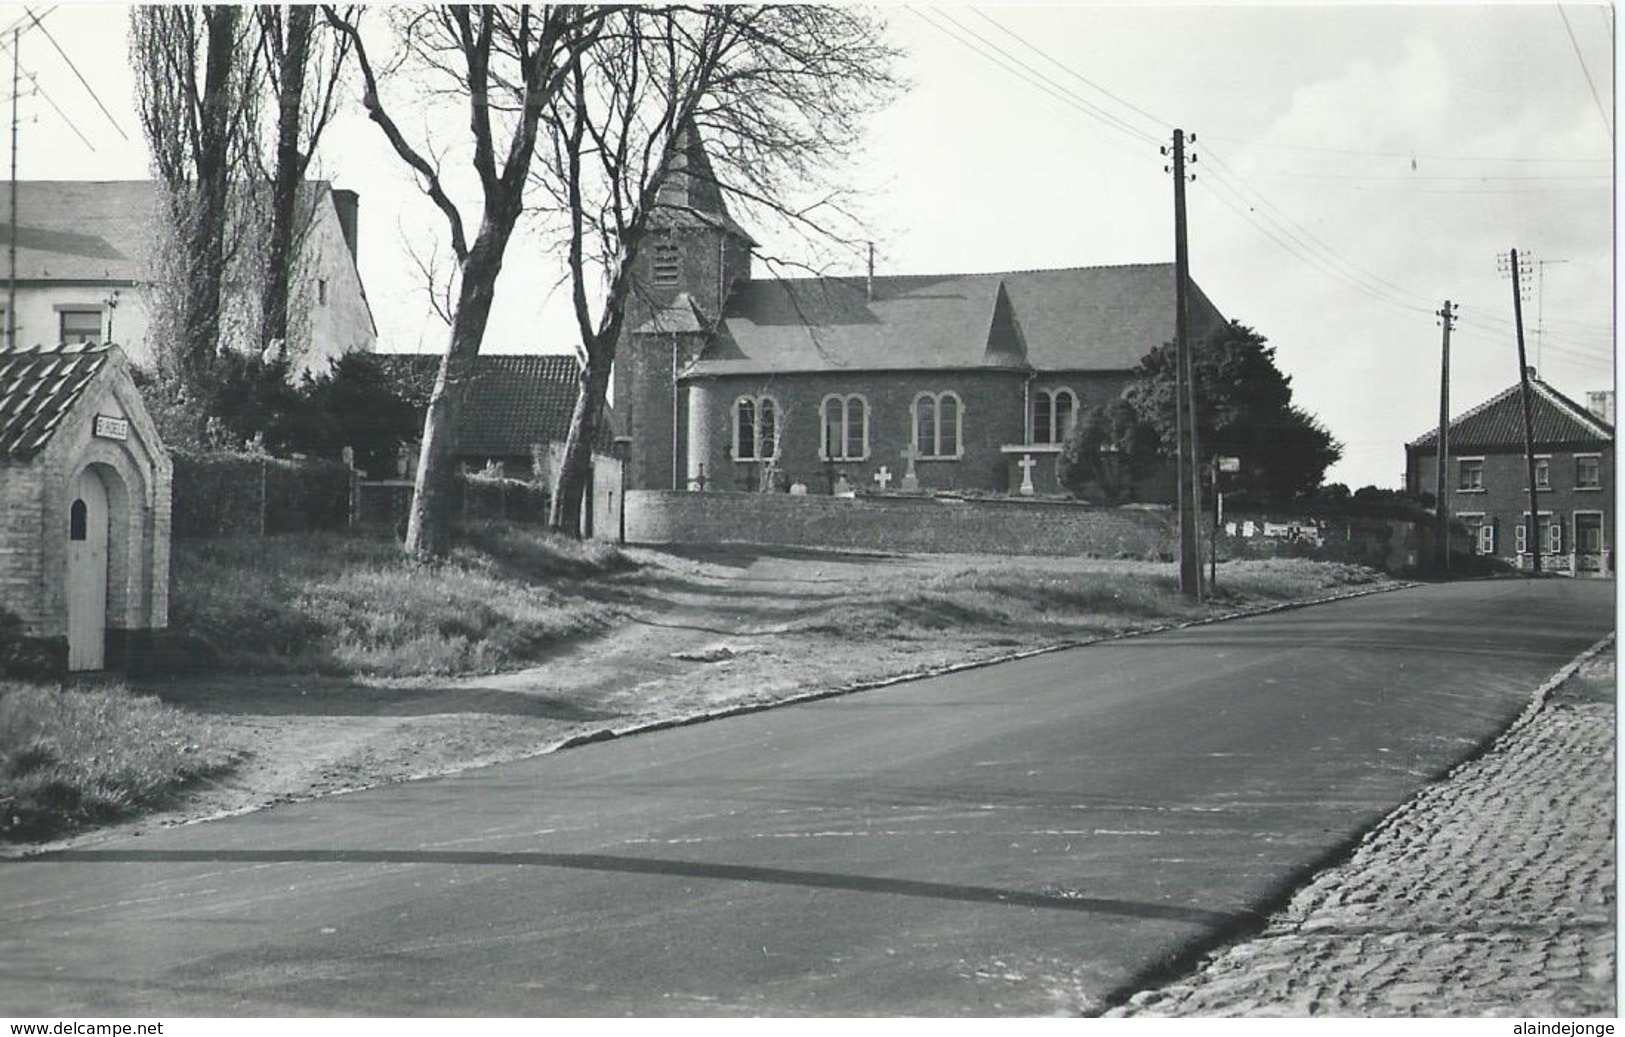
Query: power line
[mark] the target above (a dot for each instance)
(1416, 156)
(1044, 82)
(39, 23)
(1056, 92)
(1585, 70)
(1162, 124)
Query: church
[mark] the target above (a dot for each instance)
(961, 382)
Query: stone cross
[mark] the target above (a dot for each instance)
(1026, 463)
(883, 477)
(911, 481)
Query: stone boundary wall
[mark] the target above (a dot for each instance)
(898, 523)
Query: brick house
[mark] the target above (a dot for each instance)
(516, 414)
(85, 264)
(84, 506)
(1486, 483)
(956, 381)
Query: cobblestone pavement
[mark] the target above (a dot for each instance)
(1491, 893)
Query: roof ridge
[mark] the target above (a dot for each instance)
(1481, 408)
(1579, 413)
(860, 278)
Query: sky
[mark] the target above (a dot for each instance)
(1356, 166)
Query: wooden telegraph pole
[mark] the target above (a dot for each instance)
(1532, 527)
(1447, 317)
(1190, 476)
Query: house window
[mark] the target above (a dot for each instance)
(1588, 532)
(939, 421)
(1476, 528)
(1552, 534)
(846, 428)
(1543, 473)
(756, 428)
(81, 326)
(1055, 411)
(1470, 474)
(668, 264)
(1588, 472)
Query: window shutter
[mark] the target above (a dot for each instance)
(1523, 535)
(1557, 537)
(1486, 535)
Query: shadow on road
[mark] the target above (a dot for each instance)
(658, 866)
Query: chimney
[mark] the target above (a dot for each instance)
(869, 282)
(347, 204)
(1600, 402)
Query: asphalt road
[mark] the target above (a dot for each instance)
(1021, 839)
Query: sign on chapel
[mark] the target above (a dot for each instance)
(84, 506)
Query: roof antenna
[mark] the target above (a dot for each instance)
(869, 282)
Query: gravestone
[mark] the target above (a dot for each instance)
(911, 479)
(882, 478)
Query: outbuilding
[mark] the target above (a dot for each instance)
(84, 507)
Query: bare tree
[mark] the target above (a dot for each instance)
(777, 93)
(303, 60)
(506, 64)
(195, 84)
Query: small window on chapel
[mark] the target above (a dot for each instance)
(77, 520)
(668, 264)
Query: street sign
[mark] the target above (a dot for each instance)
(1229, 464)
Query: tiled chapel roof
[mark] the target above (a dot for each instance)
(38, 387)
(1497, 423)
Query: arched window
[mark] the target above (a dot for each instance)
(756, 428)
(1055, 412)
(845, 420)
(939, 422)
(78, 519)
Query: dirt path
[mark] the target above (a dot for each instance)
(705, 631)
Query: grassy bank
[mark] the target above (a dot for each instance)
(76, 757)
(353, 605)
(1065, 597)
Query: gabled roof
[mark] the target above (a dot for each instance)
(38, 387)
(1497, 423)
(88, 230)
(80, 230)
(513, 400)
(1076, 319)
(681, 317)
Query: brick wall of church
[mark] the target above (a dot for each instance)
(993, 418)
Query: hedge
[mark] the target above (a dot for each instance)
(226, 494)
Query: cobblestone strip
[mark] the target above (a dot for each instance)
(1491, 893)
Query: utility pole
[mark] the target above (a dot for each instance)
(1190, 476)
(1447, 317)
(1531, 537)
(11, 245)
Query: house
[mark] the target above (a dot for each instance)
(1487, 486)
(516, 415)
(84, 508)
(86, 261)
(956, 382)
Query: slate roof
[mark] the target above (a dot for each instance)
(85, 230)
(691, 195)
(1497, 423)
(1076, 319)
(513, 401)
(38, 388)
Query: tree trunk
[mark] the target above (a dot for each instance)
(289, 171)
(569, 489)
(206, 240)
(428, 526)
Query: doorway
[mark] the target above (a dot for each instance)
(87, 573)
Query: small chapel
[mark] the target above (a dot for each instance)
(967, 382)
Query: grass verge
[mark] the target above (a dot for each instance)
(1066, 597)
(76, 757)
(354, 605)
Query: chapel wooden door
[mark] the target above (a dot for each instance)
(87, 574)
